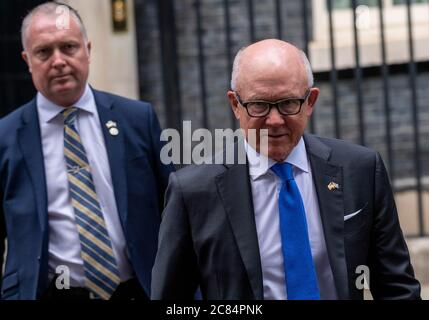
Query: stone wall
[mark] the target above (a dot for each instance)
(113, 55)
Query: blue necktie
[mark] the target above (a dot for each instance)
(102, 275)
(300, 274)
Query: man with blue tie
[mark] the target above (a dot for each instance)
(81, 182)
(298, 219)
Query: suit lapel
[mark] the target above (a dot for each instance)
(29, 141)
(331, 209)
(235, 192)
(115, 151)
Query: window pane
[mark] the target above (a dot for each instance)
(345, 4)
(340, 4)
(395, 2)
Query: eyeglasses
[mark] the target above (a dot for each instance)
(286, 107)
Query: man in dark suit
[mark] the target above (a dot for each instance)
(81, 182)
(312, 223)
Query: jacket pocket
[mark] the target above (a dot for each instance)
(10, 287)
(357, 221)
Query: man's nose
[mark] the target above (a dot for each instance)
(58, 59)
(274, 117)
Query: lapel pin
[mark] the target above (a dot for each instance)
(114, 131)
(111, 124)
(113, 128)
(333, 186)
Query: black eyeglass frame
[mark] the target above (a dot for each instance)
(272, 104)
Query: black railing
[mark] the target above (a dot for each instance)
(170, 71)
(358, 75)
(414, 103)
(228, 46)
(386, 89)
(202, 72)
(334, 76)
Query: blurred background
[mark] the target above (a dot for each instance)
(370, 59)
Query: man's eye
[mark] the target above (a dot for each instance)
(259, 105)
(289, 103)
(42, 53)
(69, 47)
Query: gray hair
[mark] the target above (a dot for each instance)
(308, 69)
(237, 65)
(50, 8)
(236, 68)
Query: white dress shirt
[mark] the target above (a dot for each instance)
(64, 243)
(265, 191)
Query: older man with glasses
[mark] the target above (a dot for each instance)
(308, 226)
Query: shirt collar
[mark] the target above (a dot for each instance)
(260, 164)
(49, 110)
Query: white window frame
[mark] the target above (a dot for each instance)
(396, 35)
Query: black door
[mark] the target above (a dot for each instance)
(16, 86)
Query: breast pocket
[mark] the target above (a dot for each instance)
(10, 287)
(356, 221)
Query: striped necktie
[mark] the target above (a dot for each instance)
(101, 272)
(300, 273)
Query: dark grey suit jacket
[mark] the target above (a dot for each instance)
(208, 234)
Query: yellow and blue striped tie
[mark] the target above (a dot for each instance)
(101, 272)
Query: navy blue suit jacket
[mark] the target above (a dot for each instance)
(139, 180)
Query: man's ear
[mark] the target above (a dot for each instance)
(311, 101)
(234, 104)
(24, 56)
(89, 47)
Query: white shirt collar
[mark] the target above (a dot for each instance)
(260, 164)
(49, 110)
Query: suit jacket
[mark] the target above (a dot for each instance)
(208, 234)
(139, 180)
